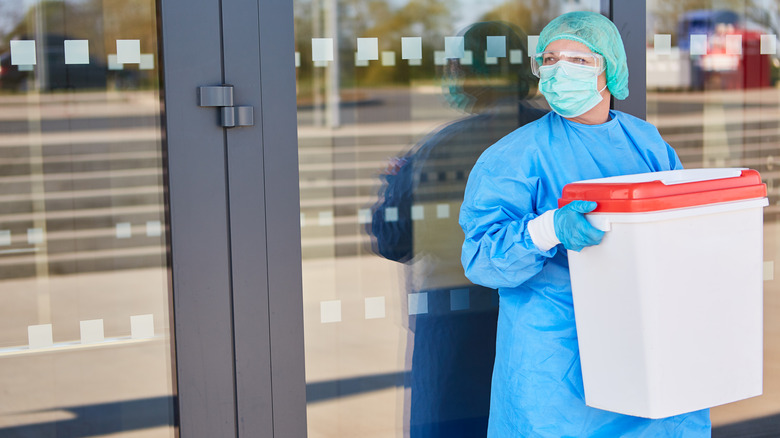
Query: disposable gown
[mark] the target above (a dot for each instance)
(537, 386)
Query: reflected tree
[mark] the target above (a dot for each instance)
(664, 15)
(383, 19)
(529, 15)
(101, 22)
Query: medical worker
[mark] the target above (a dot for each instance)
(516, 239)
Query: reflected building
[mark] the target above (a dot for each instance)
(83, 234)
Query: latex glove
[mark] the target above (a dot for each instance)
(571, 227)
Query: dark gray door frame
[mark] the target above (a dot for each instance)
(198, 214)
(233, 212)
(265, 224)
(630, 17)
(282, 213)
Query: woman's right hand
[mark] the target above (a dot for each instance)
(571, 227)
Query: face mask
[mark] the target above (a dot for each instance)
(570, 89)
(457, 98)
(453, 92)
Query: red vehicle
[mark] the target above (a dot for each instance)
(733, 58)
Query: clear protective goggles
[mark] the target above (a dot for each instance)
(550, 58)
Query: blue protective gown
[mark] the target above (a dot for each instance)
(537, 380)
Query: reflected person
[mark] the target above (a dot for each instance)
(452, 344)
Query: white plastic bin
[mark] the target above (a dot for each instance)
(669, 307)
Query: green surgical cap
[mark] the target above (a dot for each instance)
(600, 35)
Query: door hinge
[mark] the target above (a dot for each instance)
(221, 96)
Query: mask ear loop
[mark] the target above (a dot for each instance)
(603, 69)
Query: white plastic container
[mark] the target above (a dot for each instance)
(669, 307)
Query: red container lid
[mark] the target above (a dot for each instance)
(666, 190)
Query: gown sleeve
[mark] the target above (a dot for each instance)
(498, 204)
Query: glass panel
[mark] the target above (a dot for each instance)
(712, 91)
(85, 326)
(396, 100)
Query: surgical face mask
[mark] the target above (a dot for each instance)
(570, 89)
(452, 87)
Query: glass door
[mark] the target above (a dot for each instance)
(396, 100)
(714, 94)
(85, 321)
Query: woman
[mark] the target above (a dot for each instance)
(516, 240)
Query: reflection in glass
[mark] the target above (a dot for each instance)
(85, 326)
(712, 91)
(453, 341)
(398, 342)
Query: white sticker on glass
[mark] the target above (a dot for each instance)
(128, 51)
(5, 237)
(459, 299)
(142, 326)
(23, 52)
(360, 62)
(34, 236)
(516, 56)
(698, 44)
(533, 40)
(76, 52)
(92, 331)
(411, 48)
(415, 62)
(322, 49)
(326, 218)
(391, 214)
(418, 212)
(388, 58)
(364, 215)
(26, 67)
(153, 228)
(297, 59)
(147, 62)
(367, 49)
(113, 64)
(662, 44)
(769, 271)
(438, 57)
(39, 336)
(733, 44)
(303, 220)
(496, 47)
(375, 307)
(124, 230)
(454, 47)
(468, 58)
(320, 63)
(330, 311)
(418, 303)
(442, 211)
(768, 44)
(490, 60)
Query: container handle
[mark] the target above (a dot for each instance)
(599, 221)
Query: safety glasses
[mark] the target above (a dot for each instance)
(550, 58)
